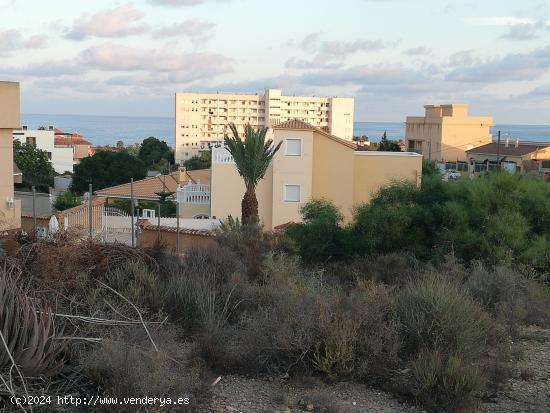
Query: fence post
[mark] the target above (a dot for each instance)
(34, 209)
(177, 227)
(90, 212)
(132, 211)
(158, 225)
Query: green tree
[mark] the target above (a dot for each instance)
(252, 157)
(34, 164)
(105, 169)
(153, 150)
(388, 145)
(67, 200)
(204, 161)
(319, 236)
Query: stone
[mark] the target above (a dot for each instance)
(309, 407)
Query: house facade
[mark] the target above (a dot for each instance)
(202, 118)
(10, 208)
(61, 157)
(512, 156)
(446, 132)
(311, 164)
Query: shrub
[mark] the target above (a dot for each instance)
(446, 381)
(126, 365)
(137, 283)
(201, 292)
(510, 296)
(319, 237)
(248, 241)
(437, 314)
(67, 200)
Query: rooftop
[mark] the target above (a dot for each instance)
(297, 124)
(149, 187)
(523, 148)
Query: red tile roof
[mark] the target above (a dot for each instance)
(70, 140)
(149, 187)
(146, 225)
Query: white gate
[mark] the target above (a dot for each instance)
(116, 225)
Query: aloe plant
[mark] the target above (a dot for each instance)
(28, 336)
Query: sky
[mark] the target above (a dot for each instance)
(393, 56)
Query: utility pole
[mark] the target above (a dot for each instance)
(132, 212)
(177, 227)
(498, 151)
(158, 224)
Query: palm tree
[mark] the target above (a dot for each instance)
(252, 157)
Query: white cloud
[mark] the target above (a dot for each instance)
(118, 22)
(12, 40)
(498, 20)
(198, 31)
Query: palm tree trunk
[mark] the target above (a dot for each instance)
(249, 207)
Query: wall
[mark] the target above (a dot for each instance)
(149, 235)
(42, 202)
(190, 210)
(227, 191)
(291, 170)
(10, 213)
(333, 172)
(341, 117)
(374, 170)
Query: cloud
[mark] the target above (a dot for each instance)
(527, 31)
(498, 21)
(118, 22)
(45, 69)
(511, 67)
(330, 53)
(115, 57)
(12, 40)
(418, 51)
(198, 31)
(180, 3)
(310, 42)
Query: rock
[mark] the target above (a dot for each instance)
(309, 407)
(282, 409)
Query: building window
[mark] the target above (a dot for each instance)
(292, 193)
(31, 140)
(293, 147)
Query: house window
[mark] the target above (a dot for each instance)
(293, 147)
(292, 193)
(31, 140)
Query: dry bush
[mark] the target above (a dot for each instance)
(249, 241)
(510, 296)
(200, 293)
(391, 268)
(126, 365)
(438, 314)
(135, 282)
(447, 382)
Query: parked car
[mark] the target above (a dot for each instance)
(452, 174)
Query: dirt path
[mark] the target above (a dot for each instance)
(529, 389)
(239, 394)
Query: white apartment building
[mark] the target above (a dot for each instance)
(202, 119)
(62, 158)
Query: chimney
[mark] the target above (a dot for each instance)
(182, 175)
(507, 144)
(24, 127)
(50, 128)
(517, 143)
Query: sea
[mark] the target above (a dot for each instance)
(107, 130)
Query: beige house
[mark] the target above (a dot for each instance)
(513, 156)
(202, 118)
(310, 164)
(446, 132)
(10, 208)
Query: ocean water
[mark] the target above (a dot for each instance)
(103, 130)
